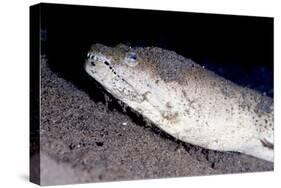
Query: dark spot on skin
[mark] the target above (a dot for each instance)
(265, 121)
(99, 144)
(72, 146)
(92, 63)
(184, 93)
(106, 63)
(168, 104)
(187, 111)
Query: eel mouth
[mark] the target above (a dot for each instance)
(102, 70)
(118, 92)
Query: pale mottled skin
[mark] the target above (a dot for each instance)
(185, 100)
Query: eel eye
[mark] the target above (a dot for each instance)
(132, 56)
(131, 59)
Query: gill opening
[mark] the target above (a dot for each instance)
(267, 144)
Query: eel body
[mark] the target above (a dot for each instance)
(184, 99)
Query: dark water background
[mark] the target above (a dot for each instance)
(239, 48)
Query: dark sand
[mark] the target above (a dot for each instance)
(88, 139)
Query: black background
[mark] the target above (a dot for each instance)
(239, 48)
